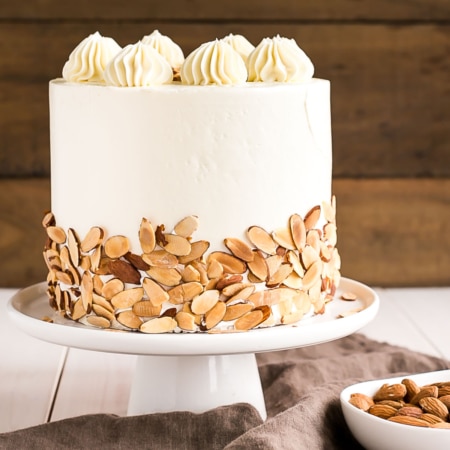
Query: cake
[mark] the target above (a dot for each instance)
(190, 194)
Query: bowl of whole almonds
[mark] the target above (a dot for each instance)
(408, 412)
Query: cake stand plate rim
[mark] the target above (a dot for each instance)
(29, 305)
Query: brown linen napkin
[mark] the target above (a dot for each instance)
(301, 389)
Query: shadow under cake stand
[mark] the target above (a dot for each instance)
(198, 371)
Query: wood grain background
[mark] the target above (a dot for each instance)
(389, 64)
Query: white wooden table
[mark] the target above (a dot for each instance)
(42, 382)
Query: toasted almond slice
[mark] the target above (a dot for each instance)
(237, 310)
(160, 258)
(298, 231)
(326, 252)
(187, 226)
(97, 283)
(75, 275)
(292, 317)
(215, 269)
(77, 311)
(177, 245)
(201, 268)
(242, 294)
(293, 281)
(205, 301)
(330, 233)
(312, 217)
(228, 280)
(127, 298)
(136, 261)
(97, 321)
(64, 257)
(349, 296)
(117, 246)
(271, 296)
(186, 321)
(328, 212)
(273, 264)
(262, 240)
(198, 249)
(129, 319)
(234, 288)
(56, 234)
(147, 236)
(93, 238)
(159, 325)
(124, 271)
(145, 308)
(230, 263)
(112, 287)
(283, 237)
(309, 256)
(74, 247)
(95, 258)
(87, 288)
(312, 275)
(280, 275)
(239, 248)
(64, 277)
(252, 319)
(190, 273)
(258, 267)
(102, 312)
(155, 293)
(285, 306)
(48, 220)
(101, 301)
(184, 292)
(302, 302)
(167, 277)
(215, 315)
(297, 266)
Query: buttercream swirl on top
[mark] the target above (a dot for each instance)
(279, 59)
(240, 44)
(138, 65)
(214, 62)
(166, 47)
(88, 60)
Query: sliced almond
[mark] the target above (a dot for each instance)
(258, 267)
(187, 226)
(136, 261)
(313, 239)
(237, 310)
(230, 263)
(215, 315)
(97, 321)
(294, 260)
(215, 269)
(112, 287)
(329, 212)
(330, 233)
(147, 236)
(56, 234)
(239, 248)
(145, 308)
(280, 275)
(101, 301)
(262, 240)
(177, 245)
(127, 298)
(93, 238)
(117, 246)
(74, 247)
(186, 321)
(312, 217)
(292, 317)
(272, 296)
(95, 259)
(228, 280)
(160, 258)
(273, 264)
(293, 281)
(77, 311)
(242, 294)
(87, 288)
(159, 325)
(283, 237)
(198, 249)
(204, 302)
(252, 319)
(233, 289)
(309, 256)
(312, 275)
(48, 220)
(155, 293)
(349, 296)
(129, 319)
(103, 312)
(184, 292)
(190, 273)
(124, 271)
(64, 277)
(298, 231)
(167, 277)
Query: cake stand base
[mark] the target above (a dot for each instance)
(195, 383)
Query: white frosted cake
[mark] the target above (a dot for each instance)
(191, 194)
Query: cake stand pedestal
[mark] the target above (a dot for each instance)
(199, 371)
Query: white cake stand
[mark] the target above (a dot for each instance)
(195, 372)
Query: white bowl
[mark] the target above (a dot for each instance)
(374, 433)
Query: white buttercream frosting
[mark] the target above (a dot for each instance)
(240, 44)
(88, 60)
(166, 47)
(138, 65)
(214, 62)
(279, 59)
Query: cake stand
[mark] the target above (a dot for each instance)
(199, 371)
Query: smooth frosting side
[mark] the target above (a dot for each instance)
(214, 62)
(88, 60)
(138, 65)
(279, 59)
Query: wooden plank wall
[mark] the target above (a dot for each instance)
(389, 65)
